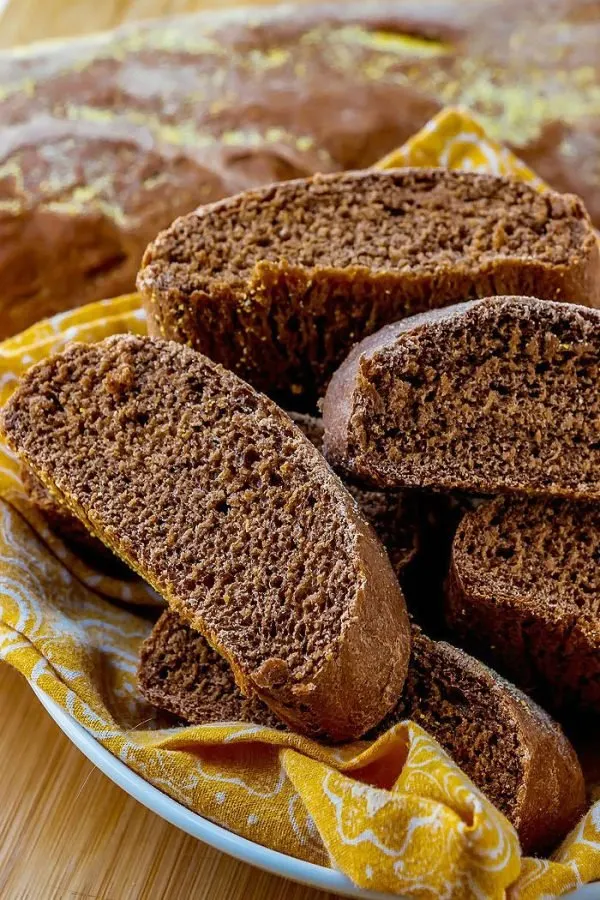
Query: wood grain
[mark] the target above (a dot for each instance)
(68, 833)
(31, 20)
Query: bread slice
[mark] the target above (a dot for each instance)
(181, 673)
(494, 395)
(212, 494)
(510, 748)
(506, 744)
(524, 590)
(278, 283)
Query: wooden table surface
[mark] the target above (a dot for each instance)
(67, 832)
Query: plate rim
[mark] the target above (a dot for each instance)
(217, 836)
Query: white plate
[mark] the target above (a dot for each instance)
(214, 835)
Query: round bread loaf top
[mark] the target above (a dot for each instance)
(499, 394)
(210, 492)
(278, 283)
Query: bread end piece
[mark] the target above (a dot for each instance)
(129, 494)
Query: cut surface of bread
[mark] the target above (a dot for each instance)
(524, 591)
(495, 395)
(148, 121)
(278, 283)
(212, 494)
(180, 672)
(508, 746)
(394, 516)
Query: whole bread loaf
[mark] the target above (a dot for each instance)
(278, 283)
(505, 743)
(496, 395)
(62, 521)
(524, 592)
(106, 139)
(211, 493)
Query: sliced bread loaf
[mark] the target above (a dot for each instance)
(524, 591)
(494, 395)
(278, 283)
(510, 749)
(211, 493)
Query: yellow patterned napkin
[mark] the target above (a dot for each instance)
(396, 815)
(456, 140)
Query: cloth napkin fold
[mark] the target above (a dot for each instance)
(396, 815)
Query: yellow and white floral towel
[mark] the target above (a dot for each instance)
(395, 816)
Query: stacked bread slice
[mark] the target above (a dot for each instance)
(524, 592)
(506, 744)
(284, 606)
(278, 283)
(210, 492)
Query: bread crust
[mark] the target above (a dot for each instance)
(551, 795)
(368, 667)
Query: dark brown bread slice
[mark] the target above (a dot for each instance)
(69, 527)
(494, 395)
(180, 672)
(212, 494)
(395, 516)
(506, 744)
(524, 591)
(279, 283)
